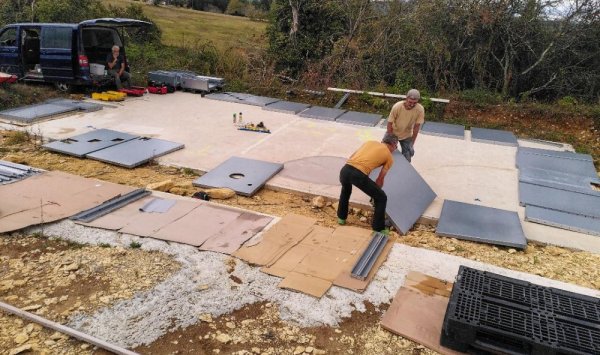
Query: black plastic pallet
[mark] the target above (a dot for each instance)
(491, 313)
(548, 299)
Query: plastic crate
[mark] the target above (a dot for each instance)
(548, 299)
(493, 313)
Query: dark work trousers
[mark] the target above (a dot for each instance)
(349, 176)
(406, 146)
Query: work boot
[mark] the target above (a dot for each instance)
(385, 231)
(341, 222)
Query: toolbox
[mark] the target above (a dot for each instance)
(134, 91)
(196, 83)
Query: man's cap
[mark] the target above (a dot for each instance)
(413, 94)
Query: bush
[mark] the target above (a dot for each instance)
(567, 102)
(481, 97)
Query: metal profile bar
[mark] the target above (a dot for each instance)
(110, 205)
(365, 263)
(342, 100)
(65, 330)
(381, 94)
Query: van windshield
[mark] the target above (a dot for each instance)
(98, 41)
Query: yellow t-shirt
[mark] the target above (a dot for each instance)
(371, 155)
(403, 120)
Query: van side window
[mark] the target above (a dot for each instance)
(8, 38)
(57, 37)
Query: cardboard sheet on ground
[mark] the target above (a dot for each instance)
(51, 196)
(232, 236)
(417, 312)
(276, 241)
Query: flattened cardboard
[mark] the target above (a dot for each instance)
(307, 284)
(197, 226)
(289, 231)
(418, 317)
(324, 263)
(119, 218)
(427, 284)
(230, 238)
(344, 279)
(146, 224)
(52, 196)
(284, 265)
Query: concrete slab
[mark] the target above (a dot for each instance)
(135, 152)
(443, 130)
(408, 194)
(459, 170)
(558, 180)
(359, 118)
(322, 113)
(286, 107)
(481, 224)
(560, 200)
(83, 144)
(493, 136)
(563, 220)
(554, 163)
(244, 176)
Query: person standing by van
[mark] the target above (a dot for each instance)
(116, 68)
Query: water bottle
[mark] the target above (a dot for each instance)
(234, 118)
(240, 118)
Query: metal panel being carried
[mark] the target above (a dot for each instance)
(86, 143)
(443, 130)
(322, 113)
(286, 107)
(568, 221)
(481, 224)
(135, 152)
(360, 118)
(560, 200)
(33, 113)
(244, 176)
(554, 163)
(408, 195)
(493, 136)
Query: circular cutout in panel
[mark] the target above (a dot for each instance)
(236, 176)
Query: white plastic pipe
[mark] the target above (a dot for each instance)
(381, 94)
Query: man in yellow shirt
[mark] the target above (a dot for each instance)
(370, 155)
(405, 120)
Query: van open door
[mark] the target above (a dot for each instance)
(56, 52)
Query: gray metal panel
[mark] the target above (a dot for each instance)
(259, 100)
(563, 220)
(342, 100)
(360, 118)
(165, 77)
(443, 130)
(481, 224)
(220, 96)
(286, 107)
(12, 172)
(194, 83)
(365, 263)
(135, 152)
(558, 180)
(32, 113)
(568, 166)
(560, 200)
(494, 136)
(244, 176)
(158, 205)
(322, 113)
(111, 205)
(556, 153)
(87, 143)
(79, 105)
(408, 195)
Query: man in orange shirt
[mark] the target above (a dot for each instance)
(405, 120)
(370, 155)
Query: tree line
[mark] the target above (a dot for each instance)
(517, 48)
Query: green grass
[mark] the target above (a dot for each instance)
(185, 27)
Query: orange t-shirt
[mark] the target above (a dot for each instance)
(370, 155)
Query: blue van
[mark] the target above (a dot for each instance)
(62, 53)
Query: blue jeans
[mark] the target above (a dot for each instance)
(349, 176)
(407, 148)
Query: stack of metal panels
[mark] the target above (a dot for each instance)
(11, 172)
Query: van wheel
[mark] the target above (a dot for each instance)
(63, 87)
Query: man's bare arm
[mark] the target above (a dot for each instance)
(416, 129)
(381, 177)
